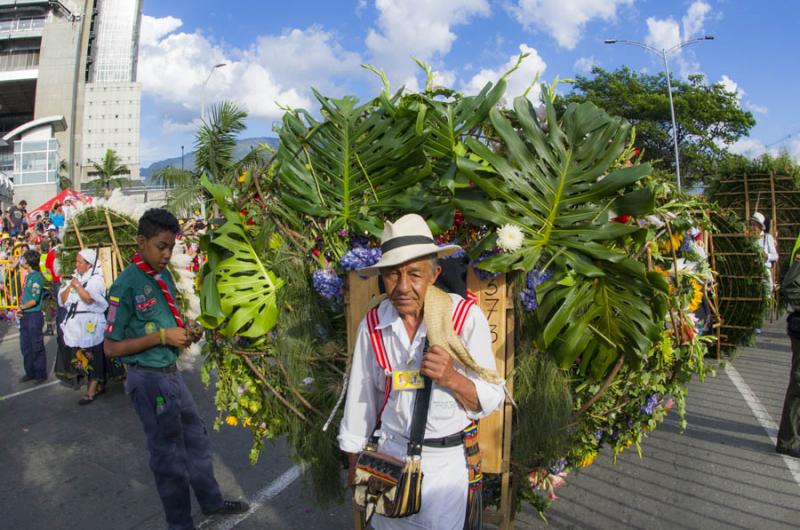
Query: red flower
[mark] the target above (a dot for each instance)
(622, 219)
(636, 152)
(315, 251)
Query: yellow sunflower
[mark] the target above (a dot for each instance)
(672, 243)
(697, 295)
(588, 460)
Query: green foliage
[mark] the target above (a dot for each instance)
(556, 181)
(244, 291)
(215, 157)
(355, 166)
(707, 115)
(91, 222)
(107, 170)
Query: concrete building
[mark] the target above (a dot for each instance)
(60, 60)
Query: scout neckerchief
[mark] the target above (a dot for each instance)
(150, 271)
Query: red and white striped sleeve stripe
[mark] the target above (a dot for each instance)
(460, 314)
(376, 337)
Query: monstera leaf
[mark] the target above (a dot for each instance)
(553, 181)
(353, 167)
(239, 292)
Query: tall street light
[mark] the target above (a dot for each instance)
(665, 53)
(203, 89)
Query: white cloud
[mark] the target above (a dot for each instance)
(752, 148)
(416, 28)
(518, 81)
(154, 28)
(173, 67)
(756, 108)
(584, 64)
(695, 18)
(564, 20)
(663, 34)
(732, 87)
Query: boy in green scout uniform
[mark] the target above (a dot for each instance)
(145, 330)
(31, 341)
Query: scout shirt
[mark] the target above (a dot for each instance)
(33, 290)
(137, 307)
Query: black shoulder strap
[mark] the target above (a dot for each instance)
(419, 418)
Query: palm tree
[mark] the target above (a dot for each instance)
(64, 182)
(107, 171)
(214, 156)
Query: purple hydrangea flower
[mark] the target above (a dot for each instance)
(558, 467)
(484, 274)
(598, 434)
(528, 297)
(327, 283)
(533, 280)
(686, 243)
(357, 241)
(651, 404)
(360, 257)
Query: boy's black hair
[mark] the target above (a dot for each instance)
(32, 259)
(157, 220)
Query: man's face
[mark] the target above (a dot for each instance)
(157, 250)
(755, 226)
(407, 283)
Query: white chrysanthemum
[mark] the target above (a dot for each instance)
(510, 237)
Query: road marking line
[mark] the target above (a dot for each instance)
(37, 387)
(762, 416)
(262, 496)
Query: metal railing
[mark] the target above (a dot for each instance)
(10, 285)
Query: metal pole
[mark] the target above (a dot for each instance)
(674, 124)
(181, 158)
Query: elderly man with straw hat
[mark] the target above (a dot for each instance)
(420, 333)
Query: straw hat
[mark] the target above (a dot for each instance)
(407, 239)
(759, 219)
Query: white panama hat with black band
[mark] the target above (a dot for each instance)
(407, 239)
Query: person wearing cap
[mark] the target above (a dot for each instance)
(765, 241)
(31, 340)
(146, 331)
(84, 298)
(409, 267)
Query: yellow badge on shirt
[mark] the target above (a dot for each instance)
(407, 380)
(90, 327)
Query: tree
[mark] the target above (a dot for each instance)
(215, 146)
(107, 170)
(708, 117)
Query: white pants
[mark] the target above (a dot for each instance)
(445, 486)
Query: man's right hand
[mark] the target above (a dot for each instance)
(176, 337)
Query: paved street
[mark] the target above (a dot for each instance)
(71, 467)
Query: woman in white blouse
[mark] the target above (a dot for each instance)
(84, 298)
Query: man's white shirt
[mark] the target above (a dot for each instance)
(365, 394)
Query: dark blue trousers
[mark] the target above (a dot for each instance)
(31, 342)
(180, 451)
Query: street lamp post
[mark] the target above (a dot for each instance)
(203, 89)
(181, 158)
(665, 53)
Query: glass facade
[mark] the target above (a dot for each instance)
(35, 161)
(115, 47)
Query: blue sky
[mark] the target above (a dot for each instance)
(275, 51)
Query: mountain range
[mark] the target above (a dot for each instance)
(242, 147)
